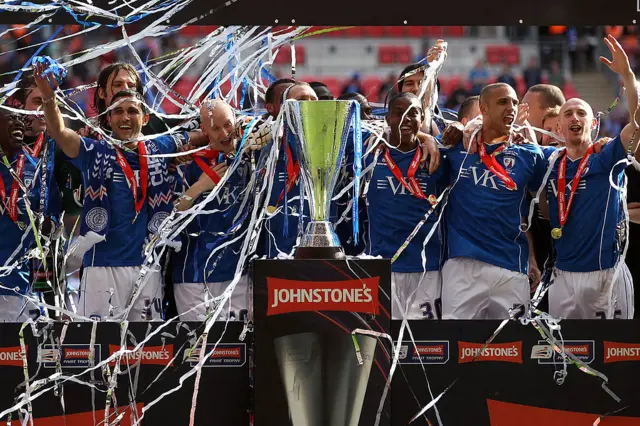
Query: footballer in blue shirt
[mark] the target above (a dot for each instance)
(486, 273)
(401, 193)
(123, 205)
(588, 225)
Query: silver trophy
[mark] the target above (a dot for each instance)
(324, 384)
(321, 130)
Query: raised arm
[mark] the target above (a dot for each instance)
(68, 140)
(620, 65)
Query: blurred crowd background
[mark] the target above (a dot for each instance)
(368, 60)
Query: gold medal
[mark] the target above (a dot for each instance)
(271, 209)
(433, 200)
(556, 233)
(21, 225)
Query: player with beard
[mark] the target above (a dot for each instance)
(589, 281)
(488, 253)
(126, 198)
(206, 264)
(400, 194)
(15, 225)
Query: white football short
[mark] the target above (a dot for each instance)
(105, 289)
(416, 295)
(592, 295)
(194, 300)
(472, 289)
(17, 309)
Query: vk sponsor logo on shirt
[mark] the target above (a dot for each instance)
(553, 183)
(396, 187)
(482, 177)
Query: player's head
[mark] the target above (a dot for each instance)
(576, 121)
(499, 107)
(551, 123)
(112, 79)
(29, 97)
(301, 91)
(404, 118)
(469, 109)
(541, 98)
(366, 113)
(322, 91)
(218, 121)
(409, 82)
(273, 96)
(12, 130)
(128, 115)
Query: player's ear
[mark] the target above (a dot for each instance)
(145, 119)
(594, 123)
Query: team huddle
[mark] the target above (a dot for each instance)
(451, 204)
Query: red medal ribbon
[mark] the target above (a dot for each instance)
(492, 164)
(210, 155)
(293, 170)
(12, 207)
(563, 207)
(411, 183)
(128, 173)
(37, 146)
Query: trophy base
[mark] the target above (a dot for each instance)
(319, 242)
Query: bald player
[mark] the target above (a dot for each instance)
(488, 253)
(589, 281)
(206, 264)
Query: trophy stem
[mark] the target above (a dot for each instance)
(319, 242)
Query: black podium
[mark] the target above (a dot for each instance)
(224, 390)
(512, 381)
(307, 368)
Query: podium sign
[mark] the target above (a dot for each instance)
(307, 368)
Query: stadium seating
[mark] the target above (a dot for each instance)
(409, 31)
(284, 55)
(388, 55)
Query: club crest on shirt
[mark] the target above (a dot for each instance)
(509, 161)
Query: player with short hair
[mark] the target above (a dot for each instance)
(589, 281)
(551, 123)
(280, 231)
(17, 231)
(488, 253)
(538, 100)
(273, 96)
(400, 194)
(322, 91)
(469, 109)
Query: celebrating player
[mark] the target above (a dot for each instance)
(206, 264)
(400, 194)
(127, 195)
(589, 280)
(15, 221)
(488, 254)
